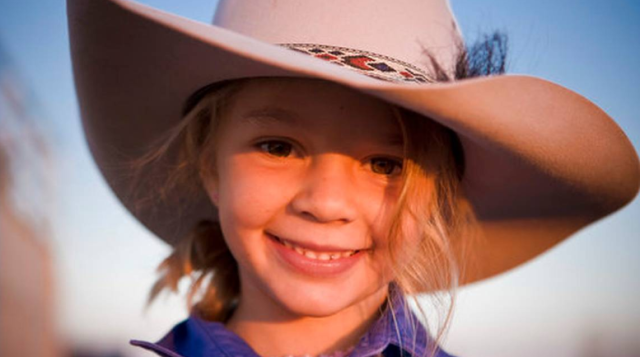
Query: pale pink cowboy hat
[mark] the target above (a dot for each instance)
(541, 161)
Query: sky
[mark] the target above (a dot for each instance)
(583, 292)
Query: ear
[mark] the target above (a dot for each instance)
(214, 198)
(211, 188)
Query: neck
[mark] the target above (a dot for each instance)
(271, 330)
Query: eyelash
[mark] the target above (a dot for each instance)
(390, 166)
(264, 147)
(391, 170)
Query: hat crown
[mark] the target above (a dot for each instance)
(402, 29)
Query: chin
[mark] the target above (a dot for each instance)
(315, 306)
(324, 300)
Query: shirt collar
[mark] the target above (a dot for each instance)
(397, 327)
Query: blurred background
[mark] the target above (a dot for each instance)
(75, 268)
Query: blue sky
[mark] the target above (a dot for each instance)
(588, 285)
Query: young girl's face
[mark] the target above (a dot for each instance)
(308, 173)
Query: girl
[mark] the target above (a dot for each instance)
(309, 199)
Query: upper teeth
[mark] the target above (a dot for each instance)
(318, 255)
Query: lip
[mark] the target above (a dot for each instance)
(310, 266)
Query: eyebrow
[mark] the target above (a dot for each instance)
(270, 115)
(395, 140)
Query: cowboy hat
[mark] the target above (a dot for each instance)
(541, 161)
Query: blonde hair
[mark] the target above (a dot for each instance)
(202, 255)
(432, 199)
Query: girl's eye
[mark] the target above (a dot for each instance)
(276, 148)
(385, 166)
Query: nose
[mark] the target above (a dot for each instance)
(327, 194)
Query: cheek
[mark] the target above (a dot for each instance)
(398, 237)
(250, 196)
(380, 206)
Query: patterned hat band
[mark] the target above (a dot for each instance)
(368, 63)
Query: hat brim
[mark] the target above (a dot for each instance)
(541, 161)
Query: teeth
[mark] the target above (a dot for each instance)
(347, 254)
(324, 256)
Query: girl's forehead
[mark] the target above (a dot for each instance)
(313, 104)
(311, 91)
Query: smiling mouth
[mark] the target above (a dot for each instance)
(314, 254)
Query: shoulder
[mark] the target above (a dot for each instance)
(197, 337)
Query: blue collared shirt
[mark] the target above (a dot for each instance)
(397, 332)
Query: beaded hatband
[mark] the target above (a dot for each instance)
(368, 63)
